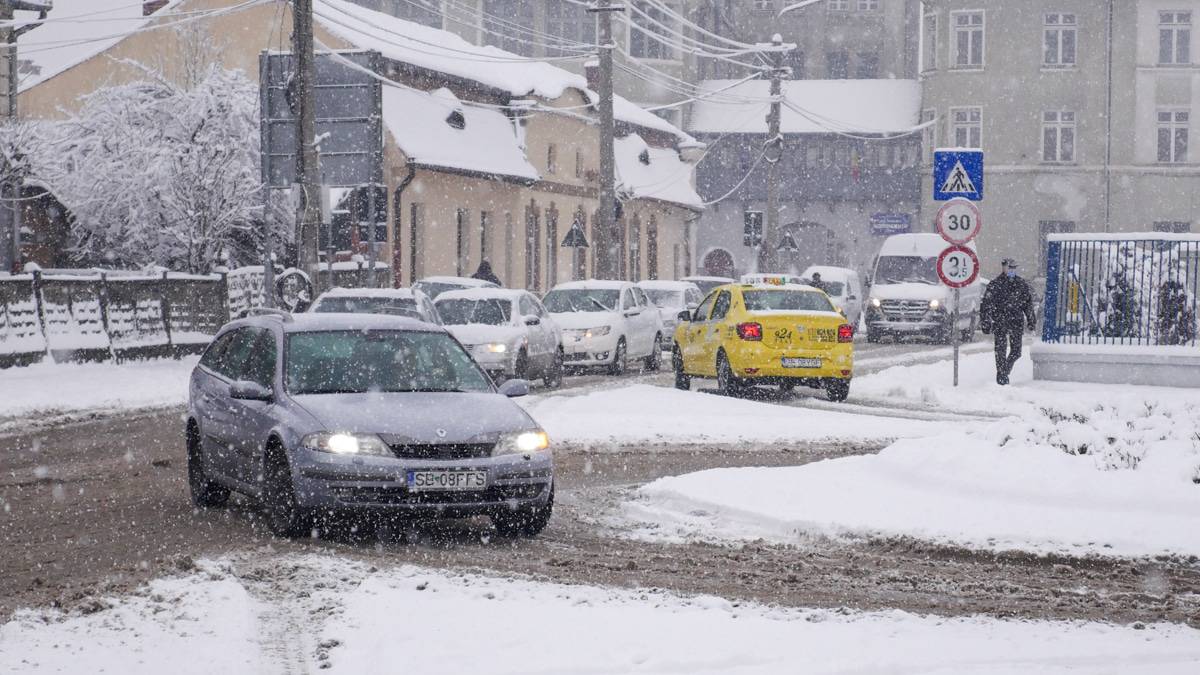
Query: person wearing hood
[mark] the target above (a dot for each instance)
(485, 273)
(1006, 311)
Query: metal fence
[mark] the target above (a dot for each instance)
(88, 314)
(1128, 289)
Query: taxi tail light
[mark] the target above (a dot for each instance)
(845, 333)
(750, 331)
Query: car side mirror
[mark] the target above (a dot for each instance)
(685, 316)
(532, 321)
(515, 388)
(245, 390)
(632, 312)
(852, 297)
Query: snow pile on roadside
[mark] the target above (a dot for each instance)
(951, 489)
(203, 623)
(419, 620)
(64, 387)
(644, 413)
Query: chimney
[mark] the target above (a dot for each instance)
(151, 6)
(591, 70)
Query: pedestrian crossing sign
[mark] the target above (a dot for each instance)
(957, 173)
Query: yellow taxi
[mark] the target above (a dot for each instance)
(750, 334)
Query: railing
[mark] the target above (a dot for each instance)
(1130, 289)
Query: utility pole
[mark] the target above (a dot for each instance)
(308, 168)
(10, 219)
(772, 152)
(607, 264)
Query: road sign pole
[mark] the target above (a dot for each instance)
(956, 336)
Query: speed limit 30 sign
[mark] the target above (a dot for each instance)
(958, 221)
(958, 266)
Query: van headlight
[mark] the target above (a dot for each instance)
(522, 443)
(935, 304)
(342, 443)
(875, 303)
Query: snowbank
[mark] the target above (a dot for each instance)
(53, 388)
(658, 414)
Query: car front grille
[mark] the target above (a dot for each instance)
(399, 495)
(904, 310)
(441, 450)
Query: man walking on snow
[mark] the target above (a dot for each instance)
(1006, 312)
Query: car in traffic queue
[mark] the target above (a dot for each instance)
(671, 298)
(508, 332)
(706, 284)
(844, 288)
(745, 335)
(410, 302)
(332, 414)
(435, 286)
(606, 323)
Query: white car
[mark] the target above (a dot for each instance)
(435, 286)
(408, 302)
(606, 323)
(706, 284)
(843, 287)
(508, 332)
(671, 298)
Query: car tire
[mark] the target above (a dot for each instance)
(553, 378)
(206, 494)
(727, 383)
(620, 356)
(682, 380)
(653, 362)
(787, 387)
(873, 336)
(524, 522)
(283, 513)
(837, 390)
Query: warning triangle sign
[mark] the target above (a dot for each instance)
(959, 182)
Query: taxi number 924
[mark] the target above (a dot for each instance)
(819, 334)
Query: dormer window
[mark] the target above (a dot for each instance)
(644, 157)
(457, 120)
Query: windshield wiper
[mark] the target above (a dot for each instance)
(601, 305)
(425, 390)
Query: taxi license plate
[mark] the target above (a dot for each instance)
(801, 363)
(431, 481)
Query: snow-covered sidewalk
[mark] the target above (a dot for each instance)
(408, 619)
(53, 388)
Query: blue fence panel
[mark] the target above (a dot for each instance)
(1137, 291)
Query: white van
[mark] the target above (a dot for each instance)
(907, 298)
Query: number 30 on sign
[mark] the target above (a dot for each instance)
(958, 266)
(958, 221)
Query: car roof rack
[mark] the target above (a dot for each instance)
(282, 314)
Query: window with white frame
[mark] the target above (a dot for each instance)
(967, 28)
(839, 5)
(1173, 226)
(570, 24)
(1059, 40)
(1058, 136)
(764, 5)
(966, 127)
(424, 12)
(1173, 135)
(651, 33)
(929, 41)
(1174, 38)
(868, 5)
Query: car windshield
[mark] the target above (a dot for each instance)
(787, 301)
(349, 304)
(581, 300)
(434, 288)
(350, 361)
(665, 298)
(906, 269)
(490, 311)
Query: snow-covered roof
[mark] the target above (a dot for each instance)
(486, 143)
(511, 294)
(444, 52)
(61, 42)
(830, 106)
(663, 176)
(592, 284)
(395, 293)
(666, 285)
(462, 281)
(830, 273)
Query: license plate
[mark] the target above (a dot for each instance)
(426, 481)
(801, 363)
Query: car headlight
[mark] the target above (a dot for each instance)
(522, 443)
(341, 443)
(599, 331)
(496, 347)
(875, 303)
(935, 303)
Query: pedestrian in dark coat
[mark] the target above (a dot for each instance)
(485, 273)
(1006, 312)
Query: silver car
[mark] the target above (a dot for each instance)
(319, 414)
(508, 332)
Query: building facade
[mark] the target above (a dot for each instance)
(1082, 107)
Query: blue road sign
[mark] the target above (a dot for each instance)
(957, 173)
(887, 224)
